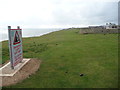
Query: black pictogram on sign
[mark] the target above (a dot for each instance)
(16, 38)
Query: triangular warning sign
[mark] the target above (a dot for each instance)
(16, 38)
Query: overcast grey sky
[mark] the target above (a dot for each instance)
(57, 13)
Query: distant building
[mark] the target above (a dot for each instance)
(111, 26)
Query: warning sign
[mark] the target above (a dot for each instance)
(16, 38)
(15, 46)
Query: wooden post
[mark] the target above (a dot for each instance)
(18, 27)
(9, 27)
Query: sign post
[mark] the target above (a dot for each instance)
(15, 46)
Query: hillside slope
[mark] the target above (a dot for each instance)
(66, 54)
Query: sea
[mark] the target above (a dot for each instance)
(29, 32)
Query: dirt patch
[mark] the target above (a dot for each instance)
(30, 68)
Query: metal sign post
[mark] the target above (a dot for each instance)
(15, 46)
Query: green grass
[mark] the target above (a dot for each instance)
(94, 55)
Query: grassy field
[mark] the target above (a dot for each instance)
(66, 54)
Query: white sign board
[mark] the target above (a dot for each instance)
(15, 46)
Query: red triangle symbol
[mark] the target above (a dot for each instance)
(16, 38)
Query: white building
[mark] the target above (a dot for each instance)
(111, 26)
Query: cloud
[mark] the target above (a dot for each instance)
(57, 13)
(86, 13)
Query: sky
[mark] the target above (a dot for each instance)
(57, 13)
(30, 14)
